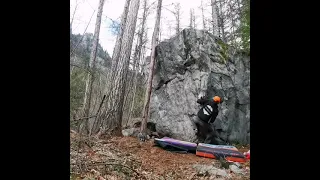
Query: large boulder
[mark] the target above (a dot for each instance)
(194, 64)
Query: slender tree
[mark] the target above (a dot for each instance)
(214, 14)
(123, 65)
(92, 63)
(149, 85)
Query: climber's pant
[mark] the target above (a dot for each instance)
(205, 131)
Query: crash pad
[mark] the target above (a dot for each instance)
(218, 146)
(229, 153)
(247, 154)
(175, 145)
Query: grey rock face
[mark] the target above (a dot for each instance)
(191, 65)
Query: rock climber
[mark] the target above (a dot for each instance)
(205, 117)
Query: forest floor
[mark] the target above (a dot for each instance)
(117, 158)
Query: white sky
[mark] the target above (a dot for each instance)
(113, 9)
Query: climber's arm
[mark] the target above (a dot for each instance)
(203, 100)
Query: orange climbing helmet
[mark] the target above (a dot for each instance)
(217, 99)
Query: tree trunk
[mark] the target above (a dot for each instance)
(123, 64)
(192, 19)
(215, 27)
(232, 34)
(190, 25)
(90, 77)
(137, 57)
(149, 85)
(221, 21)
(117, 47)
(110, 88)
(116, 52)
(203, 18)
(177, 13)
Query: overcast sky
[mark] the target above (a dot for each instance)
(113, 9)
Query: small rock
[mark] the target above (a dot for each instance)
(207, 169)
(235, 169)
(130, 131)
(237, 164)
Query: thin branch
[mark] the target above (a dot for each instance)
(74, 12)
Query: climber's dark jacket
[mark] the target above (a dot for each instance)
(209, 110)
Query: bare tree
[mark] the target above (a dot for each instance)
(203, 18)
(137, 56)
(117, 47)
(221, 20)
(74, 12)
(92, 64)
(110, 90)
(190, 23)
(123, 65)
(149, 85)
(192, 19)
(214, 13)
(232, 33)
(177, 14)
(71, 23)
(169, 27)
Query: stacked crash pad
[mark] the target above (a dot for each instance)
(176, 145)
(229, 153)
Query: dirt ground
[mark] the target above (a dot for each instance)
(127, 158)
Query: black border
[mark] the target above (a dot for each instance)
(36, 84)
(283, 93)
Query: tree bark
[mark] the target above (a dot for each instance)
(215, 27)
(110, 88)
(123, 64)
(221, 20)
(149, 85)
(203, 18)
(177, 14)
(92, 65)
(190, 25)
(137, 57)
(117, 47)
